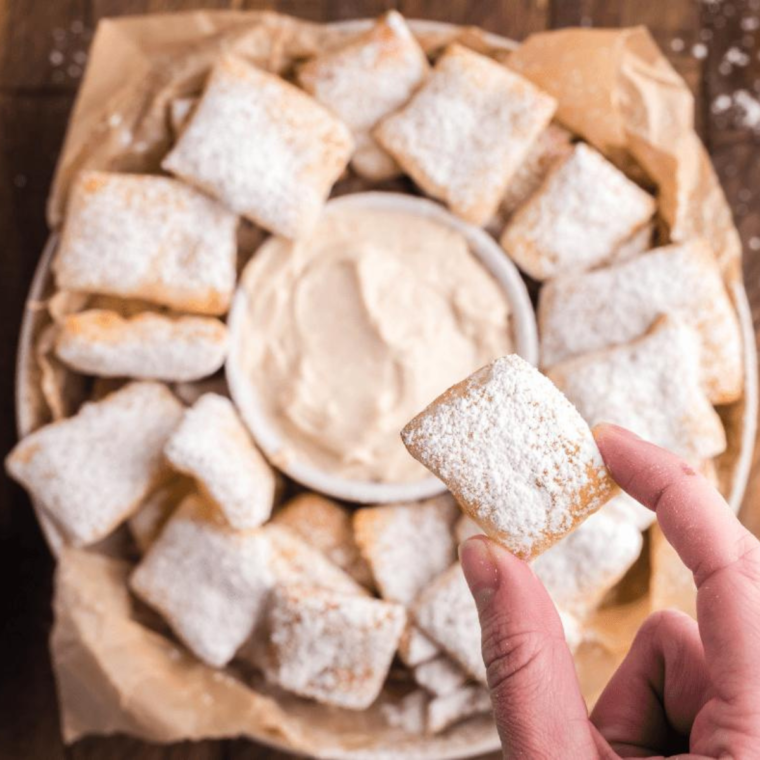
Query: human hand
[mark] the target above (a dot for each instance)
(684, 686)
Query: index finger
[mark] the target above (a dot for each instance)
(721, 553)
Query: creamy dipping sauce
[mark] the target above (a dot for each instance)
(355, 329)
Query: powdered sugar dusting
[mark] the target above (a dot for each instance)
(92, 471)
(586, 312)
(264, 148)
(296, 563)
(650, 386)
(446, 612)
(445, 711)
(584, 211)
(148, 522)
(209, 581)
(407, 545)
(583, 566)
(328, 527)
(515, 453)
(333, 648)
(213, 446)
(368, 79)
(139, 236)
(466, 131)
(149, 346)
(440, 676)
(415, 647)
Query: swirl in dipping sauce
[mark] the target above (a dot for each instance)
(353, 330)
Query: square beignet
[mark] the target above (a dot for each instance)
(152, 238)
(328, 527)
(333, 648)
(263, 147)
(92, 471)
(213, 446)
(209, 581)
(407, 545)
(297, 563)
(149, 346)
(581, 568)
(516, 454)
(446, 612)
(146, 524)
(440, 676)
(631, 511)
(466, 131)
(416, 648)
(587, 312)
(445, 711)
(650, 386)
(366, 79)
(550, 147)
(577, 220)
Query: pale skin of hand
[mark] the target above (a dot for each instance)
(686, 689)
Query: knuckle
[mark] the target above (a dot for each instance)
(510, 654)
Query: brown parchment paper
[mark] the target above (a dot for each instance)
(116, 668)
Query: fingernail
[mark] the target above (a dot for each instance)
(607, 429)
(480, 569)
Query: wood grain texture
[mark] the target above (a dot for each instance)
(43, 48)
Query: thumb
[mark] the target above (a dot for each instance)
(536, 698)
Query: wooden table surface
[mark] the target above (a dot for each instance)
(715, 44)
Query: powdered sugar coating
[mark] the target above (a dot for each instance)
(550, 147)
(440, 676)
(627, 509)
(517, 456)
(650, 386)
(466, 131)
(180, 111)
(212, 445)
(210, 582)
(583, 212)
(263, 147)
(584, 565)
(92, 471)
(328, 527)
(139, 236)
(366, 79)
(587, 312)
(415, 647)
(464, 703)
(333, 648)
(446, 612)
(146, 524)
(407, 545)
(148, 346)
(296, 563)
(634, 245)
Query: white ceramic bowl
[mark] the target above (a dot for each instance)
(265, 430)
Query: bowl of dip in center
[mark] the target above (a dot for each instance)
(340, 338)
